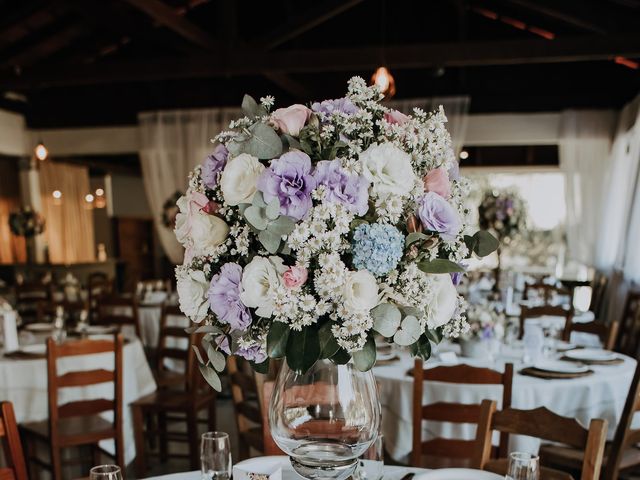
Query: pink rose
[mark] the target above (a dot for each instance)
(291, 119)
(437, 181)
(211, 208)
(294, 276)
(396, 117)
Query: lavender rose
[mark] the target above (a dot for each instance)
(342, 187)
(290, 180)
(224, 297)
(213, 166)
(339, 105)
(437, 215)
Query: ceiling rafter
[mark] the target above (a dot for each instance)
(47, 46)
(559, 15)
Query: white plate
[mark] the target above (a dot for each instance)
(39, 327)
(458, 474)
(98, 329)
(591, 354)
(558, 366)
(35, 349)
(563, 346)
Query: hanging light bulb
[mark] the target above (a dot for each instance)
(385, 81)
(41, 151)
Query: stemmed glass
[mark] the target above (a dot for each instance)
(105, 472)
(215, 456)
(523, 466)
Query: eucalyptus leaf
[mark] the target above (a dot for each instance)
(260, 367)
(386, 319)
(439, 265)
(256, 216)
(258, 200)
(485, 243)
(328, 343)
(251, 108)
(364, 359)
(235, 147)
(409, 331)
(198, 354)
(277, 340)
(414, 237)
(216, 358)
(422, 348)
(282, 226)
(269, 240)
(303, 349)
(211, 377)
(264, 142)
(273, 209)
(434, 335)
(290, 143)
(208, 329)
(341, 357)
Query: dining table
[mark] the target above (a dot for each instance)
(23, 381)
(599, 395)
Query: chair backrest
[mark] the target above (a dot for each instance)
(119, 311)
(270, 447)
(628, 341)
(541, 311)
(452, 412)
(625, 437)
(28, 297)
(16, 467)
(47, 309)
(544, 290)
(598, 291)
(84, 378)
(99, 285)
(245, 393)
(543, 424)
(606, 332)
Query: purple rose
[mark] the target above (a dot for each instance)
(254, 353)
(342, 105)
(224, 297)
(213, 166)
(437, 215)
(289, 179)
(456, 277)
(342, 187)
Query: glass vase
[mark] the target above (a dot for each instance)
(324, 419)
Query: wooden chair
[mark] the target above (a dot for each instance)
(169, 351)
(246, 393)
(119, 311)
(544, 424)
(445, 452)
(78, 422)
(545, 310)
(628, 341)
(545, 290)
(47, 310)
(16, 468)
(98, 286)
(28, 296)
(171, 405)
(270, 447)
(606, 332)
(622, 454)
(599, 287)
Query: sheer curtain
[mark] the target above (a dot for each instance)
(456, 109)
(585, 142)
(172, 143)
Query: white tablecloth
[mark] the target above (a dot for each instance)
(150, 316)
(24, 382)
(601, 395)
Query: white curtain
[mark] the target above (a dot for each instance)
(585, 141)
(456, 109)
(172, 143)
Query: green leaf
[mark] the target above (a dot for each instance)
(273, 209)
(290, 143)
(216, 358)
(422, 348)
(256, 217)
(386, 319)
(277, 340)
(328, 343)
(409, 331)
(303, 349)
(235, 147)
(251, 108)
(264, 142)
(414, 237)
(485, 243)
(355, 223)
(208, 329)
(364, 359)
(211, 377)
(198, 354)
(341, 357)
(282, 226)
(440, 265)
(269, 240)
(260, 367)
(434, 335)
(258, 200)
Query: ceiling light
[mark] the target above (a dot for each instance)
(88, 198)
(464, 155)
(385, 81)
(41, 151)
(99, 192)
(57, 194)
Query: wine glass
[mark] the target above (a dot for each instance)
(105, 472)
(215, 456)
(523, 466)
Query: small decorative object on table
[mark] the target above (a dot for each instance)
(27, 223)
(105, 472)
(486, 330)
(523, 466)
(215, 456)
(504, 213)
(307, 231)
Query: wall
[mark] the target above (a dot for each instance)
(126, 197)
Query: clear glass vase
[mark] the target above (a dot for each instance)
(325, 418)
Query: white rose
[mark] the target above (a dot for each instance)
(207, 232)
(445, 300)
(239, 178)
(360, 291)
(388, 168)
(192, 289)
(182, 225)
(260, 278)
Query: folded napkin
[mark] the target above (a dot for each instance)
(261, 468)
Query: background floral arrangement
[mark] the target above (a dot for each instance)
(486, 322)
(170, 210)
(26, 222)
(309, 230)
(504, 213)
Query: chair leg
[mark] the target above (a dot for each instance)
(212, 416)
(243, 449)
(194, 441)
(162, 434)
(56, 462)
(32, 454)
(138, 433)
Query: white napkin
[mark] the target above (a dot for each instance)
(10, 331)
(262, 468)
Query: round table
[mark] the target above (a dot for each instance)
(24, 383)
(601, 395)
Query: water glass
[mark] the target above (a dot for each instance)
(105, 472)
(215, 456)
(523, 466)
(371, 466)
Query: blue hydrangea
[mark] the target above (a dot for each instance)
(377, 248)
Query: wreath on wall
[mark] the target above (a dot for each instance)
(26, 222)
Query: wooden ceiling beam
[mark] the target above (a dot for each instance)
(47, 46)
(559, 15)
(415, 56)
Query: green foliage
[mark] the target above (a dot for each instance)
(266, 220)
(482, 243)
(328, 343)
(277, 340)
(251, 108)
(439, 265)
(303, 349)
(364, 359)
(386, 319)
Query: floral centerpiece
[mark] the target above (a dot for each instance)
(486, 322)
(504, 213)
(311, 229)
(26, 222)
